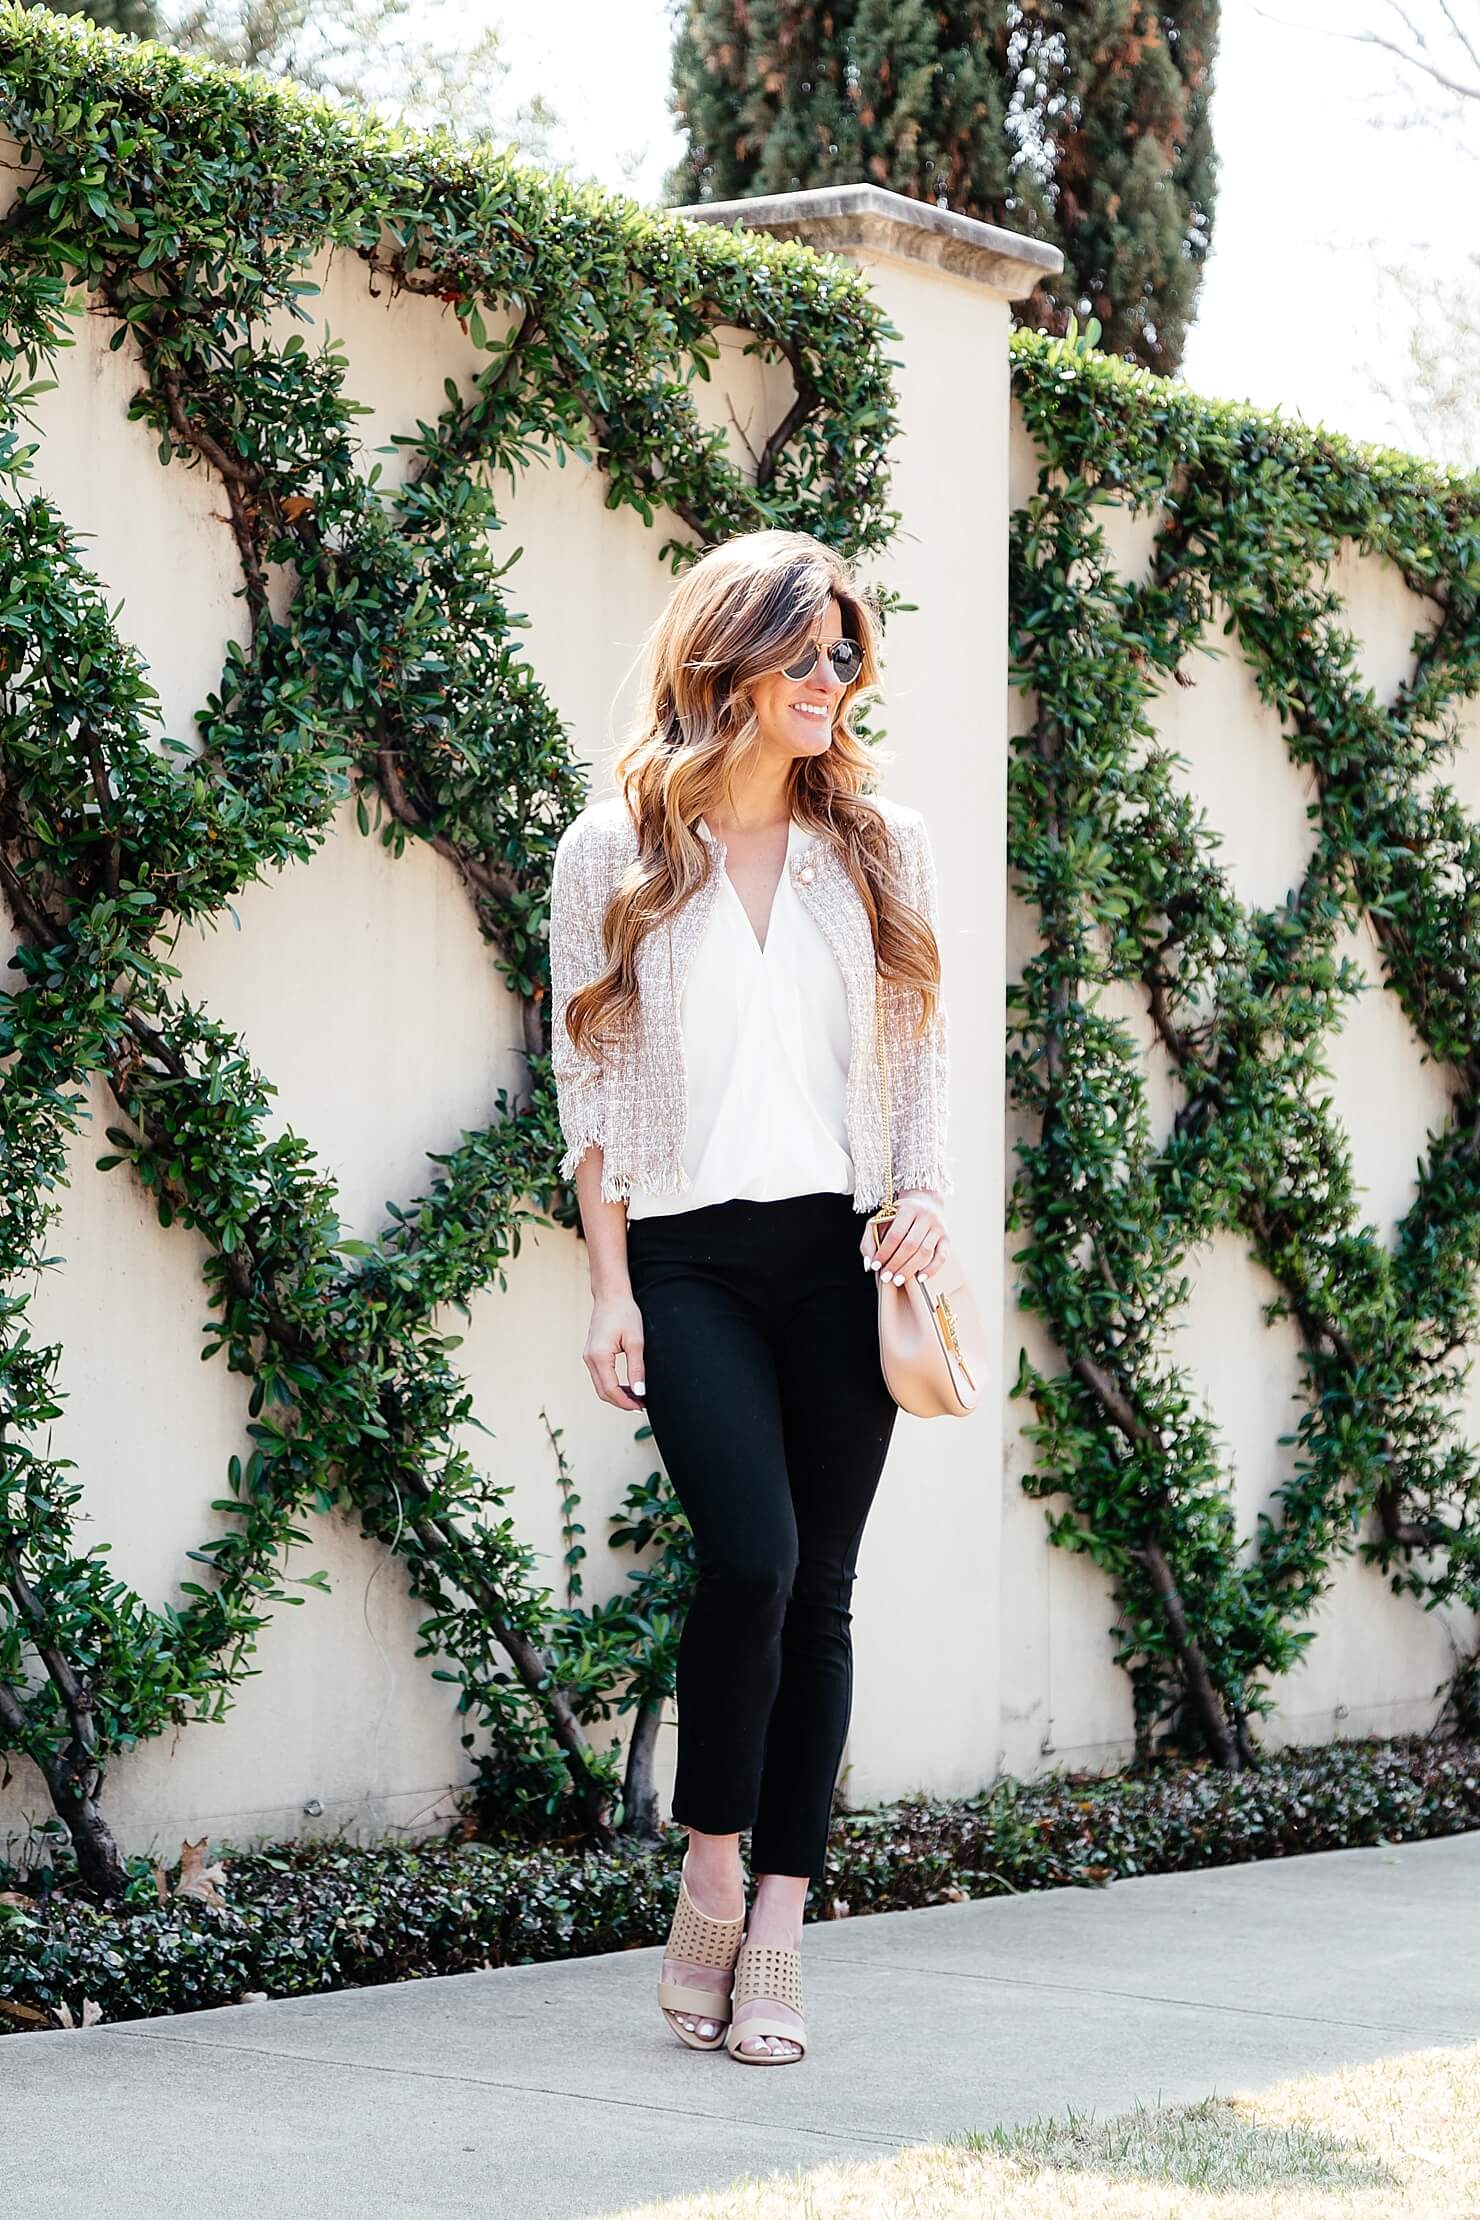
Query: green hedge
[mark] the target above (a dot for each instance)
(305, 1918)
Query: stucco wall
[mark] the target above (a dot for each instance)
(1378, 1663)
(363, 990)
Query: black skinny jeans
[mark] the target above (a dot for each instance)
(770, 1411)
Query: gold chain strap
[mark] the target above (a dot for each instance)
(886, 1208)
(940, 1308)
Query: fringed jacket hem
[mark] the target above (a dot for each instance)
(633, 1104)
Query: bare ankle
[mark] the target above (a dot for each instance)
(777, 1913)
(714, 1875)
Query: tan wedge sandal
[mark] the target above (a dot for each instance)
(702, 1941)
(763, 1970)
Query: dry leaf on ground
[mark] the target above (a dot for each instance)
(91, 2014)
(198, 1879)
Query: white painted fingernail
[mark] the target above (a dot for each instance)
(639, 1387)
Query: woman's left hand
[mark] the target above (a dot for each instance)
(915, 1240)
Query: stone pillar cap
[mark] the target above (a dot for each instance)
(865, 219)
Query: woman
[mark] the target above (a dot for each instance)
(717, 926)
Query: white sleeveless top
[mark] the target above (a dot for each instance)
(766, 1047)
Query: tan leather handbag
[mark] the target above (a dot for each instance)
(931, 1344)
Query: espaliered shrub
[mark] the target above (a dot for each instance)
(187, 204)
(1121, 872)
(304, 1918)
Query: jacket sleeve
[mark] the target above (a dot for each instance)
(922, 1066)
(577, 956)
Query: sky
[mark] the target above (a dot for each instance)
(1318, 198)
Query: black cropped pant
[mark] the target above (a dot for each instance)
(770, 1411)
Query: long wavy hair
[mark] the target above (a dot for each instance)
(743, 610)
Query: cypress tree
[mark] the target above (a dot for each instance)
(1082, 122)
(762, 88)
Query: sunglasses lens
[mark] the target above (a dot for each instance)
(846, 657)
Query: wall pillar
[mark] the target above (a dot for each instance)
(927, 1667)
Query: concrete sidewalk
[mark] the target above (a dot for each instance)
(556, 2093)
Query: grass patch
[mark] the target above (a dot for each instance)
(1396, 2136)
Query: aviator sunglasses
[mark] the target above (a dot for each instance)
(845, 656)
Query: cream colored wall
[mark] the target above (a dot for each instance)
(1379, 1662)
(363, 990)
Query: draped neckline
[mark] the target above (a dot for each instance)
(793, 842)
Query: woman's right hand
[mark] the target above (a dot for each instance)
(616, 1326)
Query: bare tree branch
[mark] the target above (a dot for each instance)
(1418, 54)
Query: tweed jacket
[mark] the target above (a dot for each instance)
(634, 1105)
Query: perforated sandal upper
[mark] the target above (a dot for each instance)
(764, 1970)
(767, 1972)
(699, 1939)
